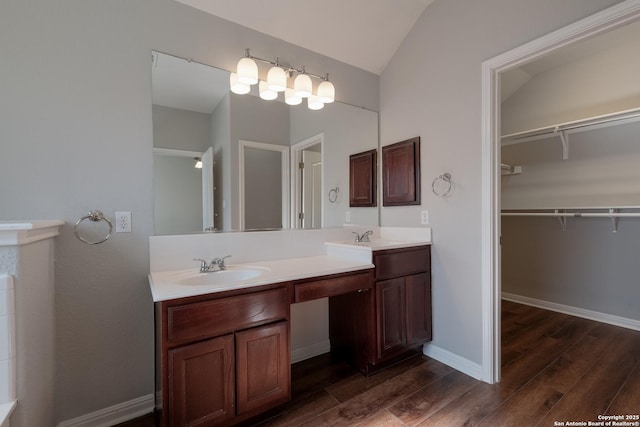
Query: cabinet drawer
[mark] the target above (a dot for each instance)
(191, 322)
(329, 287)
(396, 263)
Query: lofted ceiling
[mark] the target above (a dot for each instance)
(362, 33)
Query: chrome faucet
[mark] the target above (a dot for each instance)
(216, 264)
(364, 237)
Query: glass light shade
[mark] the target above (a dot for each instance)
(266, 93)
(198, 164)
(236, 86)
(247, 71)
(326, 92)
(302, 86)
(277, 79)
(314, 103)
(290, 97)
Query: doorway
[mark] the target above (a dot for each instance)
(263, 185)
(307, 185)
(597, 24)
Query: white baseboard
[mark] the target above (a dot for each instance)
(113, 414)
(313, 350)
(453, 360)
(575, 311)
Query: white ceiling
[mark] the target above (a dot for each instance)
(179, 83)
(362, 33)
(513, 79)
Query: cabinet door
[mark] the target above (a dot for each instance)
(418, 289)
(390, 301)
(201, 383)
(264, 371)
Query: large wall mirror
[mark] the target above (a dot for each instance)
(228, 162)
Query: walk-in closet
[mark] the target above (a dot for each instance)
(570, 192)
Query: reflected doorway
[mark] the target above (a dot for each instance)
(264, 185)
(307, 185)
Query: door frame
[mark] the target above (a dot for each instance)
(599, 23)
(296, 182)
(284, 161)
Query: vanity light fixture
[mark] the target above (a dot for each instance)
(198, 164)
(246, 75)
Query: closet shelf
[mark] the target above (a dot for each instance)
(562, 214)
(563, 130)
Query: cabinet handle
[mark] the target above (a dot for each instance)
(363, 290)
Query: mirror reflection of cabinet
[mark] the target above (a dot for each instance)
(362, 179)
(401, 173)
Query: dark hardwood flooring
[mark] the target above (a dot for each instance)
(555, 368)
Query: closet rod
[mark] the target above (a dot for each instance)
(611, 118)
(576, 214)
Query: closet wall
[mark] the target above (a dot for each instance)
(587, 266)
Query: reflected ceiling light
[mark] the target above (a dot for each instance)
(277, 77)
(198, 164)
(266, 93)
(291, 98)
(314, 103)
(236, 86)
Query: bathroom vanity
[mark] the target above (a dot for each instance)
(223, 349)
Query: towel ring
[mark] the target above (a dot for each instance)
(333, 195)
(441, 185)
(94, 216)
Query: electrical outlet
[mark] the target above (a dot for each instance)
(347, 216)
(424, 217)
(123, 222)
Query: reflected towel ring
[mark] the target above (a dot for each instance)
(94, 216)
(333, 195)
(441, 185)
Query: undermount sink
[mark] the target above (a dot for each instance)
(233, 274)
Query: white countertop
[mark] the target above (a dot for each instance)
(166, 285)
(15, 233)
(378, 244)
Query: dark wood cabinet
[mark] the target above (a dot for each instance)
(223, 359)
(263, 367)
(401, 173)
(362, 179)
(403, 301)
(391, 308)
(201, 380)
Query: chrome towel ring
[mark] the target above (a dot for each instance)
(333, 195)
(93, 216)
(441, 185)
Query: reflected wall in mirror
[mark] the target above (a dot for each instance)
(194, 111)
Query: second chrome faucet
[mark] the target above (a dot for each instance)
(216, 264)
(364, 237)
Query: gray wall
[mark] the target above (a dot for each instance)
(221, 142)
(432, 88)
(76, 134)
(181, 129)
(588, 266)
(346, 130)
(177, 195)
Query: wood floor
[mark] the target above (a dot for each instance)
(555, 368)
